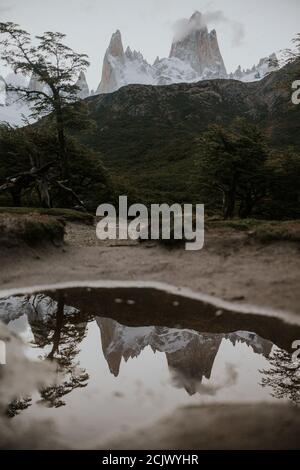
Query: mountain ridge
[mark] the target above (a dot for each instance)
(143, 130)
(195, 55)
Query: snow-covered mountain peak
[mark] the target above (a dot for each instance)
(2, 91)
(186, 26)
(194, 55)
(199, 48)
(129, 53)
(196, 16)
(121, 68)
(265, 66)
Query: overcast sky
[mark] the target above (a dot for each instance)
(247, 29)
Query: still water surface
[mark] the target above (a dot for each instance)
(127, 357)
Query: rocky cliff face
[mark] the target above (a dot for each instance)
(200, 49)
(265, 66)
(84, 90)
(120, 68)
(193, 57)
(2, 91)
(113, 56)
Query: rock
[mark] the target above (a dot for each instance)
(83, 91)
(200, 49)
(259, 71)
(193, 57)
(114, 59)
(2, 91)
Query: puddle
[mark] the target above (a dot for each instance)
(125, 357)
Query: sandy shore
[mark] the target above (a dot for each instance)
(230, 266)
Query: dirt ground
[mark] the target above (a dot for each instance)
(230, 266)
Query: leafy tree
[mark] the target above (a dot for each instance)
(283, 199)
(31, 151)
(283, 376)
(232, 162)
(54, 65)
(289, 56)
(292, 54)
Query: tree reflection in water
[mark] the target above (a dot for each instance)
(58, 329)
(67, 335)
(60, 333)
(283, 376)
(17, 405)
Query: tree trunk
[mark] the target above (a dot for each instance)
(16, 195)
(229, 205)
(61, 140)
(246, 208)
(58, 327)
(45, 198)
(230, 199)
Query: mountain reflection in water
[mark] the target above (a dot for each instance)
(159, 367)
(190, 355)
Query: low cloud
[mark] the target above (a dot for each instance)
(185, 26)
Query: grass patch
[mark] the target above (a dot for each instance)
(279, 231)
(65, 215)
(32, 229)
(262, 230)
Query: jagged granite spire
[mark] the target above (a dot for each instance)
(114, 59)
(84, 90)
(195, 55)
(121, 68)
(115, 47)
(199, 48)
